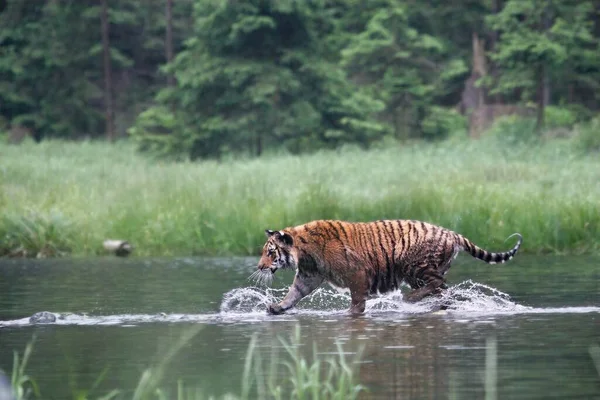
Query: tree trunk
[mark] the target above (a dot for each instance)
(541, 108)
(543, 92)
(169, 40)
(570, 93)
(108, 101)
(259, 145)
(547, 89)
(495, 37)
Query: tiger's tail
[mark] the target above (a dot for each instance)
(489, 257)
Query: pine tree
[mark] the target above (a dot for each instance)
(403, 66)
(258, 74)
(540, 40)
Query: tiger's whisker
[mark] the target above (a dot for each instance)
(254, 276)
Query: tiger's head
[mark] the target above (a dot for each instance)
(278, 252)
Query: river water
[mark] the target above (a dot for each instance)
(522, 330)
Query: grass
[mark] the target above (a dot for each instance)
(22, 385)
(67, 198)
(320, 378)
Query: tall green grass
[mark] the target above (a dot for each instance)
(58, 197)
(292, 376)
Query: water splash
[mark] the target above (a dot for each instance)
(255, 299)
(466, 299)
(248, 300)
(472, 297)
(121, 319)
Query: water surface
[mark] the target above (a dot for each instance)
(537, 316)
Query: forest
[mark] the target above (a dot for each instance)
(197, 79)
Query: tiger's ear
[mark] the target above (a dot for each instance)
(285, 237)
(269, 232)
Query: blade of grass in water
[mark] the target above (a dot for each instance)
(333, 378)
(23, 385)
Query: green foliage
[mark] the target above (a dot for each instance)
(441, 122)
(520, 130)
(51, 75)
(153, 131)
(267, 75)
(23, 386)
(37, 80)
(560, 117)
(588, 136)
(34, 235)
(403, 67)
(333, 378)
(514, 129)
(258, 73)
(544, 40)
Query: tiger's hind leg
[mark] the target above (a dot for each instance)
(431, 283)
(428, 276)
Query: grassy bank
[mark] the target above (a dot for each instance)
(68, 197)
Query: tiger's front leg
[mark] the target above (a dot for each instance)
(302, 286)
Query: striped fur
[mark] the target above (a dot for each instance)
(368, 258)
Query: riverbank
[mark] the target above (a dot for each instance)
(66, 198)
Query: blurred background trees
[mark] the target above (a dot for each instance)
(193, 79)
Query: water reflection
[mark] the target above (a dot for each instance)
(508, 332)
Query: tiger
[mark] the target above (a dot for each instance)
(368, 258)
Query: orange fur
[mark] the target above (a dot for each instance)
(367, 258)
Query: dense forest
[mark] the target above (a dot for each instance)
(201, 78)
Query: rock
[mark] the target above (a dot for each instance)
(5, 389)
(43, 317)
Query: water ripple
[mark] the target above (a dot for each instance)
(466, 299)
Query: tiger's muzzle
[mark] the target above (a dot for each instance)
(263, 268)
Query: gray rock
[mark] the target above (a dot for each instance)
(43, 317)
(5, 389)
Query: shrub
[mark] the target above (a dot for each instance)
(154, 132)
(34, 235)
(513, 129)
(442, 122)
(559, 117)
(588, 135)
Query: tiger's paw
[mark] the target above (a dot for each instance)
(411, 298)
(275, 309)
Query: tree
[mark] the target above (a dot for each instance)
(407, 69)
(52, 60)
(108, 99)
(245, 76)
(43, 51)
(541, 39)
(169, 39)
(256, 73)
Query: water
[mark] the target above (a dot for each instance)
(531, 321)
